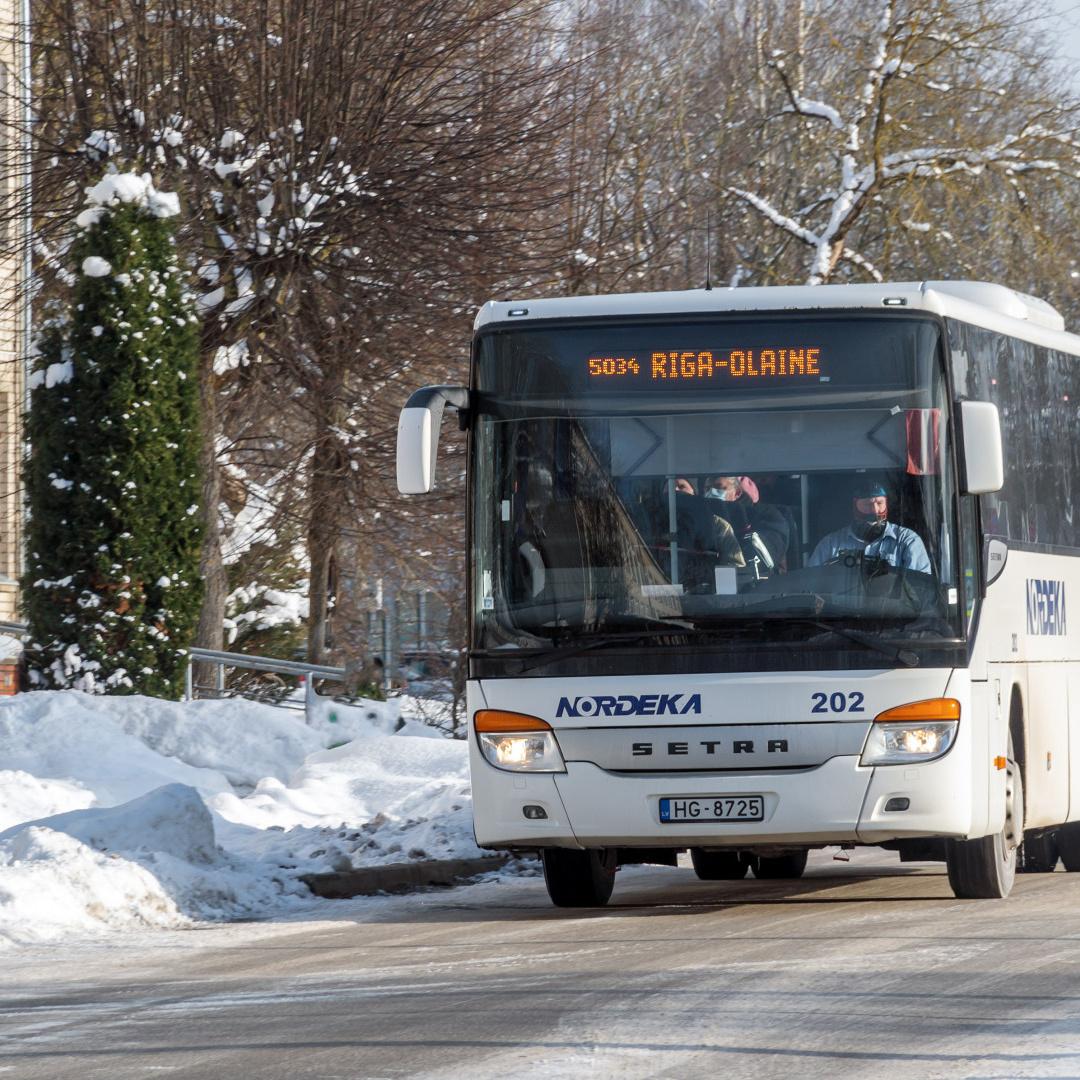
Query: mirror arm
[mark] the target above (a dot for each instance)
(436, 398)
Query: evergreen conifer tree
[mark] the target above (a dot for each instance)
(112, 587)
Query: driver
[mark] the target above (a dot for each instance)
(870, 533)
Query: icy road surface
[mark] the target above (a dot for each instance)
(840, 975)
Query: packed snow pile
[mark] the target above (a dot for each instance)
(373, 800)
(152, 861)
(122, 812)
(81, 739)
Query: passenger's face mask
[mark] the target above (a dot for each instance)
(728, 494)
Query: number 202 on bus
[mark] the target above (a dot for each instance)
(837, 702)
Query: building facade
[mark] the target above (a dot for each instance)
(12, 348)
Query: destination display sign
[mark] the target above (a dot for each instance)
(700, 365)
(775, 357)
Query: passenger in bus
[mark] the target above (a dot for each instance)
(761, 528)
(870, 533)
(702, 531)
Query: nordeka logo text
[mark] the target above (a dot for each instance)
(630, 705)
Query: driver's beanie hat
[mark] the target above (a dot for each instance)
(868, 488)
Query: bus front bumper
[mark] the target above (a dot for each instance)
(838, 802)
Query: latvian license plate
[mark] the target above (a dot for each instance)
(713, 808)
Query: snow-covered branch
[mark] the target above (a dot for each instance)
(816, 109)
(801, 232)
(770, 213)
(866, 119)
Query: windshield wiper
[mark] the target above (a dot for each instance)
(905, 656)
(544, 655)
(654, 629)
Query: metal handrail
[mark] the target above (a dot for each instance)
(263, 663)
(310, 672)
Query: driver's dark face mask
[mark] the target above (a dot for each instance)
(869, 517)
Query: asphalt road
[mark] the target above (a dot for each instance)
(869, 969)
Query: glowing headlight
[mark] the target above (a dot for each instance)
(526, 751)
(895, 744)
(915, 732)
(517, 742)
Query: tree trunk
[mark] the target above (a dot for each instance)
(211, 631)
(326, 505)
(320, 543)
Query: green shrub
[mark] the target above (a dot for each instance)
(112, 588)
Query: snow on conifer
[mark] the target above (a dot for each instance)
(112, 588)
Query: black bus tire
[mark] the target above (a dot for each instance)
(985, 868)
(1068, 845)
(1039, 855)
(579, 878)
(719, 865)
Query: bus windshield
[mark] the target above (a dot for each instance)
(710, 477)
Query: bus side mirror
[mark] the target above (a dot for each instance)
(418, 435)
(982, 467)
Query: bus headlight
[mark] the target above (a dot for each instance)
(517, 742)
(894, 744)
(537, 752)
(913, 733)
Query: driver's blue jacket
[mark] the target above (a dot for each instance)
(898, 546)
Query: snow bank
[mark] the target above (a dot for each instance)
(151, 862)
(171, 820)
(242, 740)
(80, 738)
(53, 886)
(24, 797)
(378, 800)
(125, 812)
(357, 781)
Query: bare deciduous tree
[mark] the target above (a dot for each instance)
(900, 98)
(343, 166)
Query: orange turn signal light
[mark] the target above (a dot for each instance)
(1000, 762)
(939, 708)
(497, 720)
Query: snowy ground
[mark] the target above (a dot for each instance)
(119, 813)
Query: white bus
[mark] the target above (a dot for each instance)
(757, 571)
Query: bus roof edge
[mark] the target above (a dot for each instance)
(998, 299)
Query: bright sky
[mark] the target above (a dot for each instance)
(1068, 20)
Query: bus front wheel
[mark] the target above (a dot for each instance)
(579, 878)
(985, 868)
